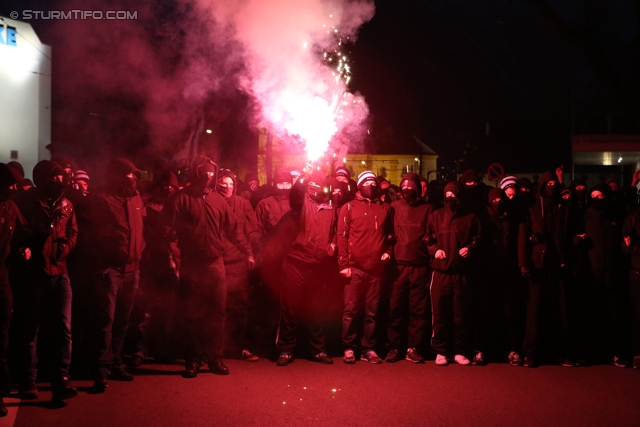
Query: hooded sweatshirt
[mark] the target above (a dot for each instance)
(410, 226)
(451, 231)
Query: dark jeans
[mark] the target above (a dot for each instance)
(300, 302)
(201, 309)
(544, 315)
(450, 301)
(236, 335)
(408, 306)
(361, 297)
(47, 300)
(6, 307)
(114, 294)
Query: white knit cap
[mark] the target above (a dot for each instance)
(509, 181)
(366, 176)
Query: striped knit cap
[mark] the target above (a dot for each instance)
(81, 175)
(366, 176)
(509, 181)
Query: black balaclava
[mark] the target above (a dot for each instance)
(371, 192)
(282, 175)
(580, 195)
(452, 204)
(549, 193)
(165, 185)
(317, 188)
(601, 204)
(43, 172)
(117, 172)
(201, 168)
(9, 177)
(498, 208)
(410, 187)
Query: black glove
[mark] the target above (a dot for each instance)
(525, 273)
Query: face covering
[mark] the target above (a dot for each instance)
(549, 191)
(581, 195)
(371, 192)
(336, 198)
(225, 191)
(598, 204)
(409, 195)
(53, 189)
(6, 194)
(317, 194)
(129, 186)
(451, 204)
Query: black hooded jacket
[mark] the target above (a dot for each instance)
(410, 226)
(451, 231)
(52, 230)
(543, 236)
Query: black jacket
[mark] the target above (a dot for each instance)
(409, 229)
(451, 232)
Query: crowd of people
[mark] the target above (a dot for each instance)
(528, 273)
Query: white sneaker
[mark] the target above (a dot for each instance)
(349, 357)
(441, 360)
(461, 360)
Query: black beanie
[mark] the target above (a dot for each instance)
(8, 176)
(17, 167)
(44, 170)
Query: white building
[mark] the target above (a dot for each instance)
(25, 95)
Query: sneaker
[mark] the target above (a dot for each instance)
(570, 363)
(248, 356)
(392, 356)
(514, 359)
(284, 359)
(461, 360)
(371, 356)
(636, 362)
(135, 361)
(414, 356)
(323, 358)
(620, 362)
(28, 390)
(349, 357)
(63, 390)
(529, 361)
(441, 360)
(478, 359)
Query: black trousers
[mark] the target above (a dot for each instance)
(408, 306)
(6, 307)
(201, 309)
(236, 325)
(634, 289)
(301, 303)
(361, 297)
(451, 308)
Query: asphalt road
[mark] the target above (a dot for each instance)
(310, 394)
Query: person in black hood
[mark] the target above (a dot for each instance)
(472, 192)
(343, 175)
(237, 268)
(525, 193)
(152, 316)
(203, 224)
(501, 236)
(452, 236)
(117, 224)
(304, 267)
(11, 224)
(542, 257)
(602, 298)
(411, 273)
(43, 289)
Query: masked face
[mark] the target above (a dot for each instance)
(451, 203)
(317, 193)
(54, 187)
(581, 192)
(549, 190)
(253, 185)
(336, 197)
(598, 201)
(7, 193)
(165, 193)
(225, 187)
(370, 191)
(409, 195)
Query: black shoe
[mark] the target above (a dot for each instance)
(191, 370)
(135, 361)
(218, 367)
(392, 356)
(3, 409)
(100, 384)
(414, 356)
(568, 362)
(529, 361)
(28, 390)
(121, 374)
(284, 359)
(478, 359)
(323, 358)
(63, 390)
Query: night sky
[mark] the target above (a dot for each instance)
(536, 71)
